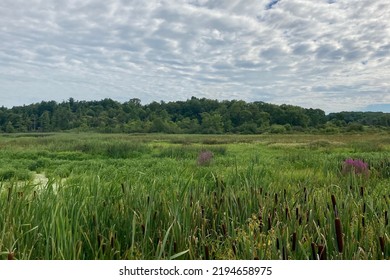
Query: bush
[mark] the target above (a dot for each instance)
(205, 158)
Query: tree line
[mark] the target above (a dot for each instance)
(195, 115)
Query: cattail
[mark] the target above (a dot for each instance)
(269, 222)
(123, 188)
(334, 205)
(224, 230)
(322, 252)
(386, 218)
(382, 243)
(297, 213)
(284, 253)
(277, 244)
(294, 241)
(276, 198)
(364, 208)
(361, 191)
(143, 228)
(207, 252)
(305, 192)
(363, 222)
(339, 235)
(313, 251)
(11, 256)
(175, 247)
(287, 213)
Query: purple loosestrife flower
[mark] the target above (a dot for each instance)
(205, 157)
(356, 166)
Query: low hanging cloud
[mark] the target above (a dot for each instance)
(324, 54)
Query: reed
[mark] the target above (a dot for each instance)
(266, 199)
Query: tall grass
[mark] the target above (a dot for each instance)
(139, 197)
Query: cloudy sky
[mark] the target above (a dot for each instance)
(328, 54)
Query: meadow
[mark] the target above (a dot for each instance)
(155, 196)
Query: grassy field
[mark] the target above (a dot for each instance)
(99, 196)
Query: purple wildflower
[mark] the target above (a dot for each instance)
(205, 157)
(356, 166)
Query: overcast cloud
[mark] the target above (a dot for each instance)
(328, 54)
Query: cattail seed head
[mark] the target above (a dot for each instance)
(339, 235)
(322, 252)
(294, 241)
(334, 205)
(224, 230)
(382, 243)
(269, 222)
(11, 256)
(284, 253)
(207, 252)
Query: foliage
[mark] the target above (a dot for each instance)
(195, 115)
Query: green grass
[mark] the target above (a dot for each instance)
(145, 197)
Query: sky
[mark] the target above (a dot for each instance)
(327, 54)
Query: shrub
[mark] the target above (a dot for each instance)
(205, 158)
(355, 166)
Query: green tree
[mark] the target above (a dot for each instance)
(9, 128)
(44, 121)
(211, 123)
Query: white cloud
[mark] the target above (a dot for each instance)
(332, 55)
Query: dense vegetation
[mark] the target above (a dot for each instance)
(159, 196)
(192, 116)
